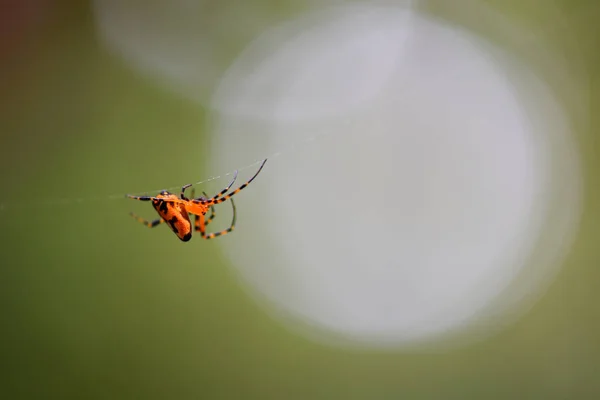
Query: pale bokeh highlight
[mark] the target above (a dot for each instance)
(429, 203)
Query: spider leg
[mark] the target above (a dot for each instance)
(212, 212)
(222, 192)
(182, 195)
(217, 199)
(141, 198)
(149, 224)
(200, 225)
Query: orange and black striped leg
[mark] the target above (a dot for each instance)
(222, 192)
(182, 195)
(215, 200)
(141, 198)
(201, 226)
(212, 212)
(149, 224)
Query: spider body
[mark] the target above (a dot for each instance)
(174, 214)
(175, 211)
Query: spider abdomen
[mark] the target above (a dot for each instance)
(175, 215)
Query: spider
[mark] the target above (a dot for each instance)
(175, 210)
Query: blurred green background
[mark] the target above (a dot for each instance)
(96, 306)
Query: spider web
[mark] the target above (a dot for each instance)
(295, 146)
(527, 41)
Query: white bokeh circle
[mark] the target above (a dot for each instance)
(186, 44)
(427, 198)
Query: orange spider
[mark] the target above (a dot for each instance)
(175, 210)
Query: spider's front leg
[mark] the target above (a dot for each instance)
(141, 198)
(218, 199)
(222, 192)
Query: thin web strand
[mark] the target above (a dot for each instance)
(529, 42)
(123, 196)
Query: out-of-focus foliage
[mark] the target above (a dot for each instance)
(97, 306)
